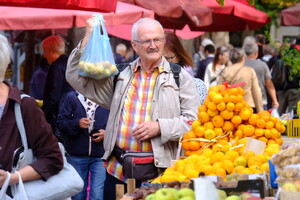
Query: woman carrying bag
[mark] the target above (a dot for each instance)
(39, 134)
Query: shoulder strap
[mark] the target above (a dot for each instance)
(20, 124)
(176, 69)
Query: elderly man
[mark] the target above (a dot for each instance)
(148, 111)
(262, 71)
(56, 86)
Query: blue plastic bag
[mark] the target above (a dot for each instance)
(97, 60)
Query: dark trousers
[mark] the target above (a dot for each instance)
(110, 186)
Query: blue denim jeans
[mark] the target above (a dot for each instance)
(94, 166)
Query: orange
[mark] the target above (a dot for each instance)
(218, 131)
(265, 115)
(194, 145)
(221, 106)
(203, 117)
(226, 114)
(241, 91)
(225, 148)
(199, 131)
(202, 108)
(233, 91)
(241, 126)
(239, 98)
(263, 139)
(189, 135)
(211, 94)
(240, 161)
(269, 124)
(236, 120)
(228, 166)
(245, 113)
(238, 169)
(212, 106)
(253, 118)
(218, 121)
(259, 132)
(280, 127)
(195, 124)
(268, 133)
(226, 98)
(254, 160)
(186, 145)
(209, 134)
(208, 125)
(279, 141)
(230, 106)
(206, 101)
(233, 154)
(217, 147)
(208, 169)
(238, 106)
(233, 99)
(228, 126)
(239, 133)
(274, 133)
(187, 153)
(216, 157)
(248, 130)
(248, 154)
(260, 123)
(274, 119)
(217, 98)
(221, 172)
(212, 113)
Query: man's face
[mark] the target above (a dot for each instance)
(150, 42)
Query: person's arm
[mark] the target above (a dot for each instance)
(207, 76)
(256, 92)
(67, 122)
(272, 92)
(27, 174)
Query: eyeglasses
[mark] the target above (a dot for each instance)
(156, 41)
(170, 57)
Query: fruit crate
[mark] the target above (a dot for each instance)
(255, 187)
(293, 128)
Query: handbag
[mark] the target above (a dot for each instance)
(137, 165)
(20, 195)
(65, 184)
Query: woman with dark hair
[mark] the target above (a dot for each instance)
(175, 52)
(213, 69)
(238, 73)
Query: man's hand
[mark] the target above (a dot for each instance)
(3, 175)
(100, 135)
(146, 130)
(275, 104)
(88, 30)
(84, 122)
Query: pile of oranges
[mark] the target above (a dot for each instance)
(226, 116)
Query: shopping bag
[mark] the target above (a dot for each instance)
(19, 193)
(97, 60)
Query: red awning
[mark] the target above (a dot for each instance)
(291, 16)
(23, 18)
(91, 5)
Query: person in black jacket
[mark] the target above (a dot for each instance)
(56, 86)
(209, 51)
(82, 123)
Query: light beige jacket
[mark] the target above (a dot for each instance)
(173, 107)
(238, 73)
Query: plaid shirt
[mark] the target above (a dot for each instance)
(136, 110)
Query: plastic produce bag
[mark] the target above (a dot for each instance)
(97, 60)
(19, 194)
(275, 113)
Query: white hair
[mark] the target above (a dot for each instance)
(5, 56)
(141, 21)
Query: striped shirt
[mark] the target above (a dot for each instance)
(136, 109)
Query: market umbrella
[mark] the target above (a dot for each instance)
(91, 5)
(175, 14)
(235, 15)
(291, 16)
(24, 18)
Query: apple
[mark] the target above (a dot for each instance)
(233, 197)
(164, 194)
(184, 192)
(150, 197)
(113, 69)
(245, 195)
(187, 198)
(89, 68)
(290, 187)
(81, 65)
(222, 194)
(174, 191)
(107, 64)
(297, 183)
